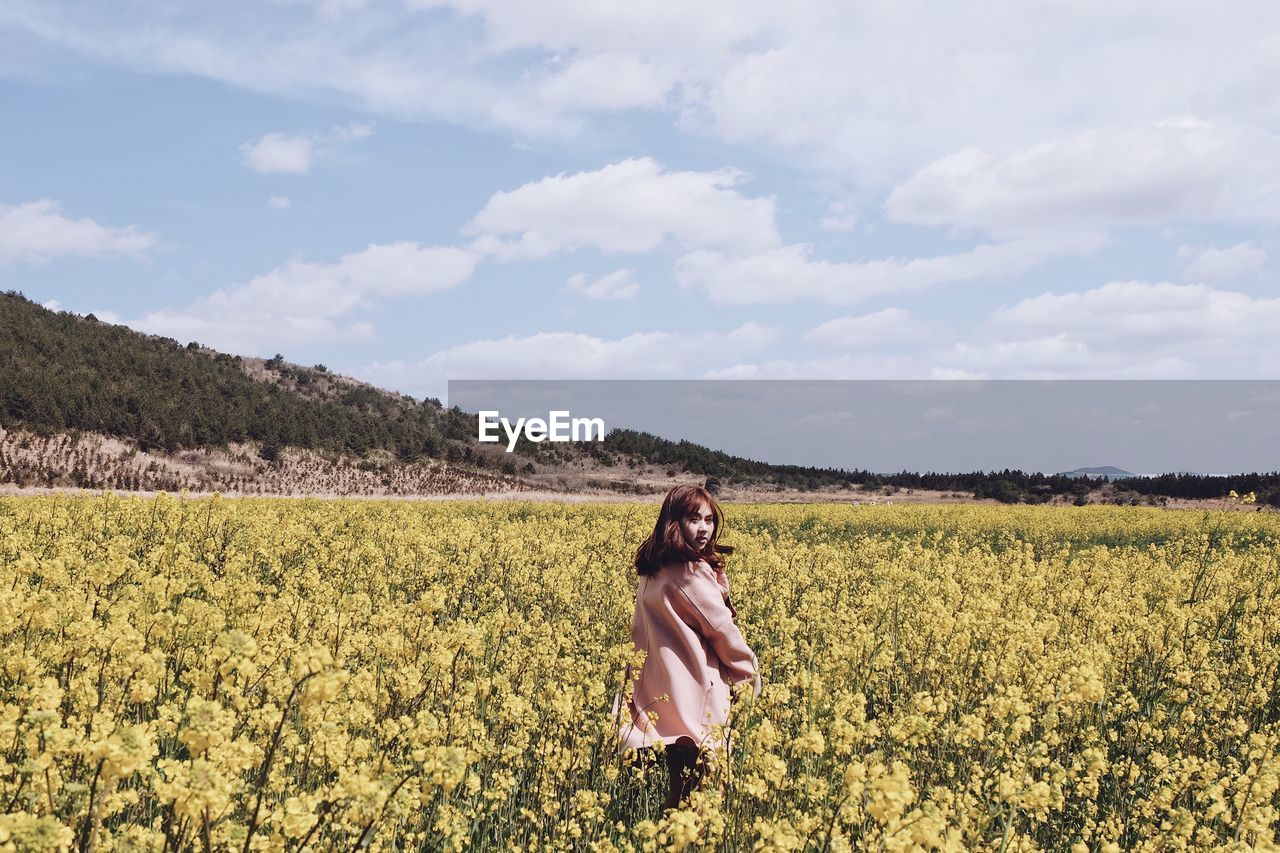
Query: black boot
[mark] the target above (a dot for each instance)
(686, 768)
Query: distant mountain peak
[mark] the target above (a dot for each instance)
(1109, 472)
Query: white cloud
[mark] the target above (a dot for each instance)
(788, 273)
(279, 202)
(731, 242)
(403, 269)
(1126, 329)
(615, 285)
(52, 305)
(350, 132)
(866, 92)
(571, 355)
(1208, 263)
(874, 90)
(1169, 171)
(630, 206)
(887, 326)
(1060, 357)
(280, 153)
(841, 216)
(248, 334)
(953, 373)
(868, 366)
(606, 82)
(664, 28)
(277, 153)
(304, 302)
(35, 232)
(1057, 352)
(1145, 315)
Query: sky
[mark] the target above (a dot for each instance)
(411, 192)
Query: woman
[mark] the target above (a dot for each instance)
(694, 651)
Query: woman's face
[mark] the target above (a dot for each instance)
(698, 526)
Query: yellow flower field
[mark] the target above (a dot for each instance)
(281, 675)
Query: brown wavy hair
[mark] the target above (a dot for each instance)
(667, 542)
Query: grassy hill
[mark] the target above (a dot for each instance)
(87, 403)
(84, 402)
(59, 371)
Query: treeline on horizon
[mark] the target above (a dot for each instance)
(1007, 486)
(61, 372)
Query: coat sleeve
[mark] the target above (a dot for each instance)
(700, 597)
(722, 580)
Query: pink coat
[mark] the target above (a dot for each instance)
(694, 653)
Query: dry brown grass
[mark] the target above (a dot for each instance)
(31, 463)
(95, 461)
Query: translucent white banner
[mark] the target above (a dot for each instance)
(1048, 426)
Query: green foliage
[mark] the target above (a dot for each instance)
(1005, 491)
(60, 372)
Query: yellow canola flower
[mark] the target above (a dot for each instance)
(440, 675)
